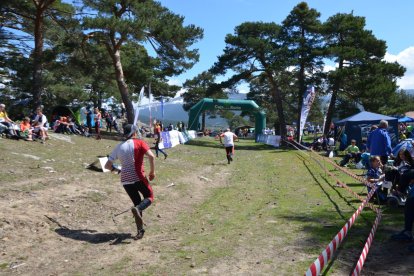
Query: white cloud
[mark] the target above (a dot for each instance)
(328, 68)
(180, 92)
(174, 82)
(244, 88)
(178, 83)
(406, 59)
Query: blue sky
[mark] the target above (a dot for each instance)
(392, 21)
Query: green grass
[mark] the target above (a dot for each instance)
(267, 202)
(293, 191)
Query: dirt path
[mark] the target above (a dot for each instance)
(60, 229)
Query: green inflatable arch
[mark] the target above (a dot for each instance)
(223, 104)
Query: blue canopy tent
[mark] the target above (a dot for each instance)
(358, 126)
(405, 120)
(405, 144)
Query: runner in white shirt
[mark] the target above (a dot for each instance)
(229, 138)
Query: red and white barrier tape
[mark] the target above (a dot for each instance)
(318, 265)
(364, 254)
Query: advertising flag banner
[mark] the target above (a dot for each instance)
(149, 105)
(308, 99)
(166, 141)
(141, 95)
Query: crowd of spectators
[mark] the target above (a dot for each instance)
(30, 128)
(393, 175)
(37, 127)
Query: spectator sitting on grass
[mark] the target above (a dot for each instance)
(73, 127)
(62, 125)
(374, 174)
(7, 124)
(4, 118)
(319, 143)
(352, 152)
(403, 163)
(40, 124)
(26, 129)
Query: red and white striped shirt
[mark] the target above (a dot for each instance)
(131, 154)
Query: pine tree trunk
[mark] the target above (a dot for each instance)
(330, 111)
(122, 86)
(38, 58)
(332, 103)
(277, 97)
(99, 92)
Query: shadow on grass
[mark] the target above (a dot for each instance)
(95, 165)
(385, 256)
(115, 136)
(322, 188)
(356, 185)
(219, 163)
(322, 231)
(91, 236)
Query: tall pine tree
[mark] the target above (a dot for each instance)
(301, 35)
(118, 22)
(361, 75)
(38, 19)
(254, 51)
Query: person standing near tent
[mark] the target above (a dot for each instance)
(157, 129)
(379, 142)
(229, 138)
(97, 118)
(88, 113)
(131, 153)
(157, 145)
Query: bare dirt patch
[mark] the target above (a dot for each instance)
(62, 224)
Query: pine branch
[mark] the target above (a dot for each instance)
(56, 20)
(19, 14)
(153, 45)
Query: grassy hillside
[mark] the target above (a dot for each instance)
(269, 212)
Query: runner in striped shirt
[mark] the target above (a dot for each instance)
(131, 154)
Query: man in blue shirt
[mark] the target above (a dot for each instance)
(379, 142)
